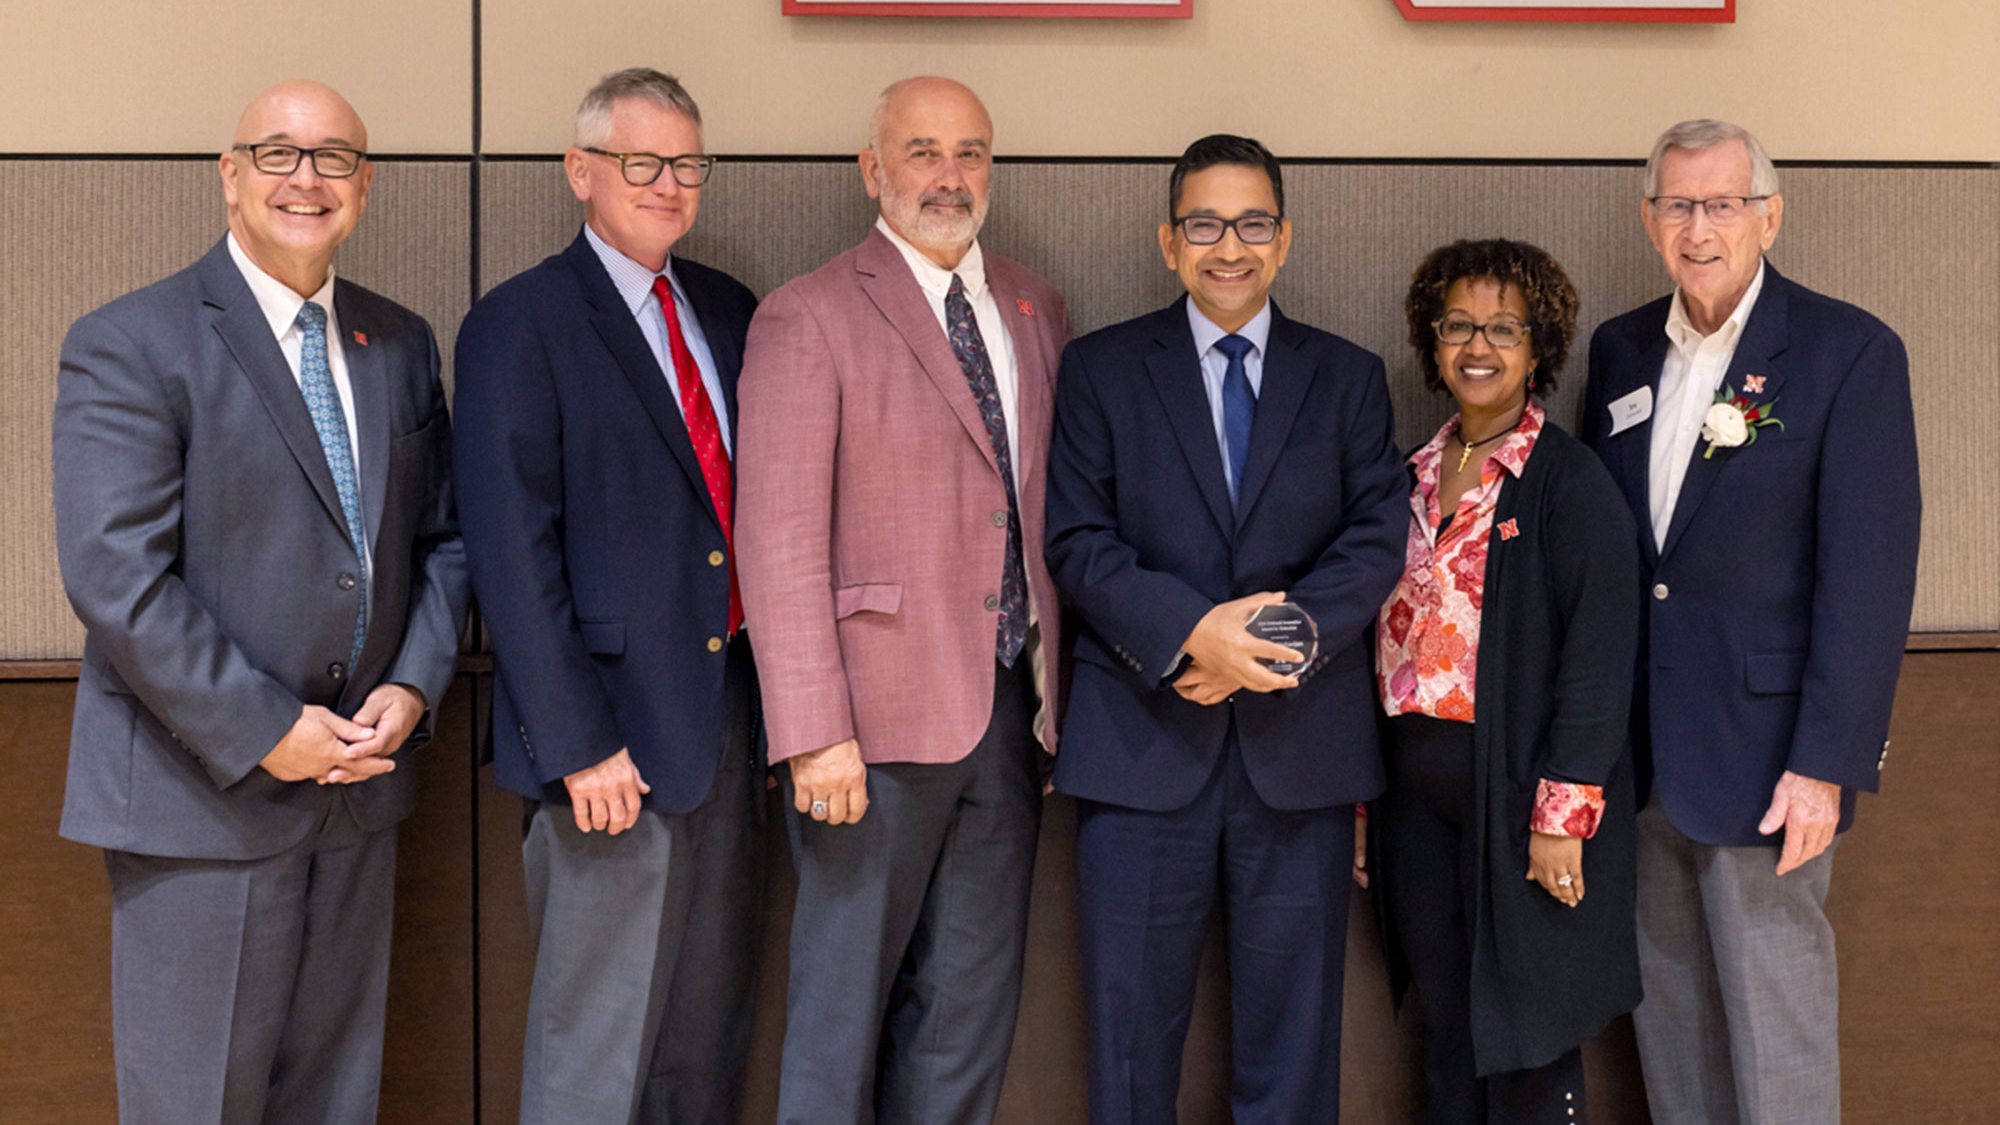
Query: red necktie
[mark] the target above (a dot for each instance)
(706, 434)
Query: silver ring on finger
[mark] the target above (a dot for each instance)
(1564, 881)
(819, 809)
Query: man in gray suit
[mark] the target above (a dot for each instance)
(255, 526)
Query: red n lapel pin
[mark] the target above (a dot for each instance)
(1509, 530)
(361, 337)
(1026, 306)
(1753, 384)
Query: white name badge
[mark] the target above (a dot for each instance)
(1628, 411)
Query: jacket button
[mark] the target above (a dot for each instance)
(336, 672)
(992, 601)
(999, 519)
(715, 558)
(715, 644)
(345, 581)
(1660, 592)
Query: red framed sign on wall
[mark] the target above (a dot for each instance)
(1630, 11)
(1096, 9)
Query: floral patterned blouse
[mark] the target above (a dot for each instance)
(1427, 640)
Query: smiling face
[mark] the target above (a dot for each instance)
(1712, 263)
(290, 225)
(642, 223)
(1490, 384)
(930, 165)
(1229, 280)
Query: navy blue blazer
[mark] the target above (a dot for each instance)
(597, 557)
(1143, 542)
(1777, 611)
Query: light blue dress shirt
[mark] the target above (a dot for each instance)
(635, 284)
(1214, 365)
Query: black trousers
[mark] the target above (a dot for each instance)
(1429, 872)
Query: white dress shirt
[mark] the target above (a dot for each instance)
(281, 310)
(1215, 365)
(1694, 369)
(935, 281)
(634, 283)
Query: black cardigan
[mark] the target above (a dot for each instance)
(1557, 641)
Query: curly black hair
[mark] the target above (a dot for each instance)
(1543, 286)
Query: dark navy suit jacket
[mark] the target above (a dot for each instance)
(1777, 610)
(597, 557)
(1143, 543)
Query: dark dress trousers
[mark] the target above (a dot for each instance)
(599, 565)
(1512, 979)
(1251, 798)
(204, 547)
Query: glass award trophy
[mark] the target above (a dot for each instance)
(1288, 625)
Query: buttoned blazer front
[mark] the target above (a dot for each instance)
(1143, 541)
(203, 546)
(597, 556)
(1778, 608)
(872, 514)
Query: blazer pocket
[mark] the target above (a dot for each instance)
(868, 597)
(1774, 673)
(414, 442)
(602, 637)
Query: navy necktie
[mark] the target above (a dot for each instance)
(970, 348)
(1239, 406)
(323, 403)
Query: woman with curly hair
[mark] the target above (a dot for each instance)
(1504, 663)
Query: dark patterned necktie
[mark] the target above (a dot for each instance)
(970, 348)
(1239, 407)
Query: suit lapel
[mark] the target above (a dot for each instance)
(1283, 389)
(1033, 367)
(1637, 448)
(1764, 339)
(616, 326)
(247, 336)
(887, 280)
(366, 373)
(1176, 372)
(716, 329)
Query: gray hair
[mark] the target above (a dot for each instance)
(1706, 133)
(593, 116)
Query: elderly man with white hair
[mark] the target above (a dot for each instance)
(1765, 438)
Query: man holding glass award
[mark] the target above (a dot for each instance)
(1213, 463)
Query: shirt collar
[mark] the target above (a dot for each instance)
(633, 281)
(1207, 332)
(1681, 331)
(935, 279)
(275, 299)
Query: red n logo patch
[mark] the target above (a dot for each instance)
(1509, 530)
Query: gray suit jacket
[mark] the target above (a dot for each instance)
(203, 547)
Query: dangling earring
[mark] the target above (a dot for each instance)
(1531, 380)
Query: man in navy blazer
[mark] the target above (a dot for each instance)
(1209, 459)
(595, 402)
(1765, 437)
(254, 517)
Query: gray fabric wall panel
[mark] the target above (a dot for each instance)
(75, 234)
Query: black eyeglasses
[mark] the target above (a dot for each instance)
(1500, 333)
(642, 168)
(283, 160)
(1207, 230)
(1721, 208)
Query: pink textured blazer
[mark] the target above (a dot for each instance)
(870, 512)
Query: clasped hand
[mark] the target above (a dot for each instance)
(1226, 657)
(332, 750)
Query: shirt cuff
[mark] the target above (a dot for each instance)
(1565, 809)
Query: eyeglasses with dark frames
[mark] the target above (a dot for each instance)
(641, 169)
(1251, 230)
(1457, 330)
(1721, 209)
(283, 160)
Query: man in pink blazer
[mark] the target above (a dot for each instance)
(895, 419)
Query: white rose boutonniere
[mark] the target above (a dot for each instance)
(1734, 420)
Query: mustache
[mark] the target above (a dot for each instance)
(959, 198)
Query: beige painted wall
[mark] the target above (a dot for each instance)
(1819, 79)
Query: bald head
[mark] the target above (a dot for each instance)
(275, 115)
(927, 164)
(289, 209)
(919, 96)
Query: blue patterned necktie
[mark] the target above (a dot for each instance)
(323, 403)
(1239, 406)
(970, 348)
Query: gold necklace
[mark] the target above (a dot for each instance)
(1472, 445)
